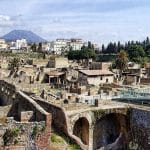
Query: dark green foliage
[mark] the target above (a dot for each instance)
(147, 49)
(137, 51)
(103, 48)
(106, 57)
(35, 131)
(86, 52)
(10, 136)
(74, 55)
(39, 47)
(34, 47)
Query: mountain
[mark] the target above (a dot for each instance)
(23, 34)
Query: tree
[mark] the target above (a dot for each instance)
(103, 48)
(121, 61)
(136, 53)
(118, 46)
(147, 40)
(33, 47)
(111, 48)
(89, 45)
(74, 55)
(86, 52)
(39, 47)
(147, 49)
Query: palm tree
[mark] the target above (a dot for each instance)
(122, 61)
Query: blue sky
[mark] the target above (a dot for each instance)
(100, 21)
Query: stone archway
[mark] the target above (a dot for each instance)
(110, 132)
(81, 130)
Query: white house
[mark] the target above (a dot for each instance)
(95, 77)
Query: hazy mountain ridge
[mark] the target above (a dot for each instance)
(23, 34)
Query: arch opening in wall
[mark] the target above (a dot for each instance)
(111, 132)
(81, 130)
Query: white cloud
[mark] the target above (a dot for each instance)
(5, 21)
(4, 18)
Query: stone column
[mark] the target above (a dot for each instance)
(90, 138)
(49, 80)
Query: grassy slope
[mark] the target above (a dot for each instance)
(61, 142)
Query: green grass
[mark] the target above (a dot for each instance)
(61, 139)
(57, 139)
(74, 147)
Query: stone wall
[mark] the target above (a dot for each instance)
(7, 93)
(21, 136)
(58, 119)
(33, 119)
(35, 112)
(140, 128)
(26, 104)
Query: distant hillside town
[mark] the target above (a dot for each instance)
(27, 41)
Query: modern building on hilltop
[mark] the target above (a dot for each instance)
(58, 46)
(19, 45)
(62, 45)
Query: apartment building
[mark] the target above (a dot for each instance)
(76, 44)
(59, 46)
(19, 44)
(62, 45)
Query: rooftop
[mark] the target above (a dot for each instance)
(96, 72)
(55, 73)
